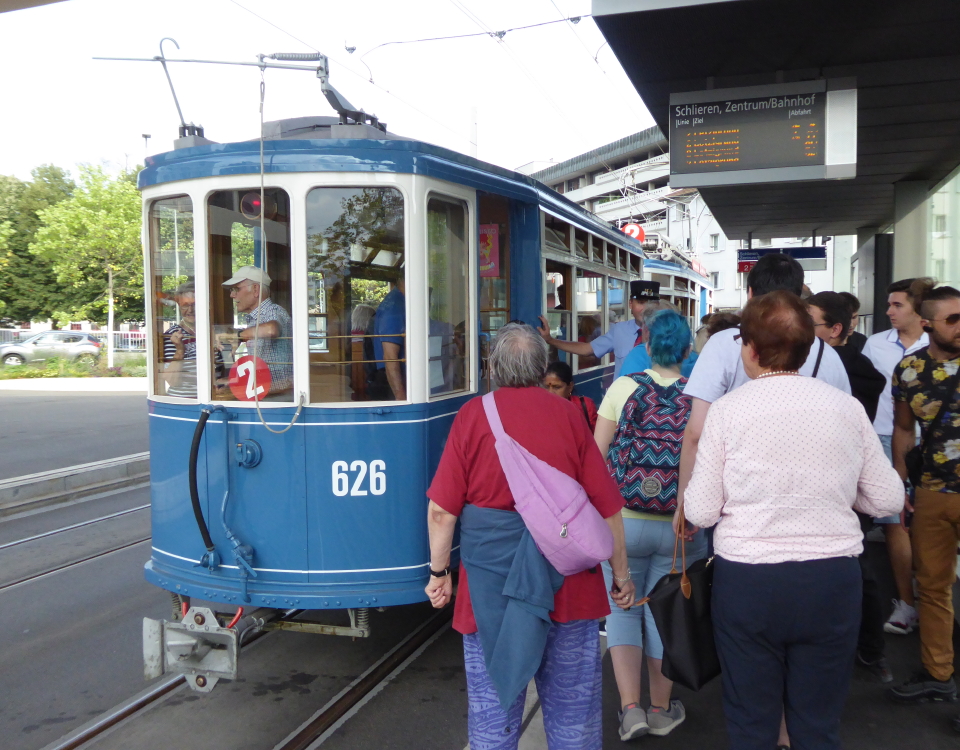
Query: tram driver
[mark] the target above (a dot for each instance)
(269, 332)
(621, 338)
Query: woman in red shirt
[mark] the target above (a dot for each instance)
(555, 431)
(559, 381)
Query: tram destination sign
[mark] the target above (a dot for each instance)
(754, 134)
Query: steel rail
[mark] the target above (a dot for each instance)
(125, 710)
(341, 705)
(72, 564)
(74, 526)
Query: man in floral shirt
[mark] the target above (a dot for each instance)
(921, 382)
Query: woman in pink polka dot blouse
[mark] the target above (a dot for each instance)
(782, 463)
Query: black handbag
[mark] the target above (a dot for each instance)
(916, 455)
(680, 603)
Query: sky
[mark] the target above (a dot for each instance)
(540, 94)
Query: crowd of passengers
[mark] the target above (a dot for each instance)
(771, 441)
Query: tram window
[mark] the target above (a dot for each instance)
(356, 307)
(251, 329)
(173, 350)
(494, 218)
(447, 264)
(589, 309)
(617, 300)
(559, 302)
(580, 244)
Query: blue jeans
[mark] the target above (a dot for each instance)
(650, 555)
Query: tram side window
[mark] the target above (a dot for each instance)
(174, 342)
(356, 294)
(447, 263)
(589, 310)
(251, 329)
(559, 303)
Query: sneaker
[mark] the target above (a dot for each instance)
(633, 722)
(904, 619)
(879, 667)
(662, 721)
(922, 687)
(603, 627)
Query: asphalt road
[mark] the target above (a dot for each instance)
(41, 431)
(72, 650)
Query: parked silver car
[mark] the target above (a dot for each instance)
(72, 345)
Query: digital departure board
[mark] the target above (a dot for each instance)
(762, 134)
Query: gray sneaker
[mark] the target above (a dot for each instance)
(663, 721)
(633, 722)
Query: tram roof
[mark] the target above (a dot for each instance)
(366, 155)
(905, 57)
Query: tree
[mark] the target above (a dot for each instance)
(92, 241)
(28, 285)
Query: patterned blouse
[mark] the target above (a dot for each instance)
(919, 381)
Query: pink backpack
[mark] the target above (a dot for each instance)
(568, 530)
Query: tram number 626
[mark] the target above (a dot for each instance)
(341, 480)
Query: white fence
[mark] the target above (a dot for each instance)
(127, 341)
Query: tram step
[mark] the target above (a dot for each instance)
(51, 487)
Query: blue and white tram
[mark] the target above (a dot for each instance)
(311, 486)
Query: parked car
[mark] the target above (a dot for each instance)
(72, 345)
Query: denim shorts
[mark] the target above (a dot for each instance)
(887, 442)
(650, 555)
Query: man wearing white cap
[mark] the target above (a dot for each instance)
(269, 325)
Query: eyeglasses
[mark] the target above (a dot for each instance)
(817, 325)
(950, 320)
(738, 337)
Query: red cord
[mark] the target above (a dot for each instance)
(236, 618)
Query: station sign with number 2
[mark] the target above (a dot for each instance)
(375, 484)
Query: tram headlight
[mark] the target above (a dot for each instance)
(250, 206)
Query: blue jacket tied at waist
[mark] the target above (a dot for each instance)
(511, 588)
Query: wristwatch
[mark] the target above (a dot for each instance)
(440, 573)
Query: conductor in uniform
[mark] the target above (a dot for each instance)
(621, 337)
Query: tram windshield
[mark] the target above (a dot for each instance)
(251, 328)
(174, 297)
(356, 302)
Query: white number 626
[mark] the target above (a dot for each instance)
(341, 480)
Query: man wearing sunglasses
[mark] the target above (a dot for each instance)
(925, 391)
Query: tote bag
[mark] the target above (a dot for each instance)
(680, 603)
(568, 530)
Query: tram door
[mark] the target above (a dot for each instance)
(559, 291)
(250, 283)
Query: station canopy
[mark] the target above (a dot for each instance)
(905, 58)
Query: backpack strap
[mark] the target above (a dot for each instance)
(493, 416)
(816, 367)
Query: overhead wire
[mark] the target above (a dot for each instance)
(462, 7)
(593, 57)
(358, 75)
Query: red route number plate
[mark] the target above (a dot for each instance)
(242, 378)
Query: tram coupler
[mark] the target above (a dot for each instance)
(196, 647)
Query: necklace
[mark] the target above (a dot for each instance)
(777, 372)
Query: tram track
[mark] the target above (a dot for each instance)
(311, 733)
(74, 526)
(71, 564)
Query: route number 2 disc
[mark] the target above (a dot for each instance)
(242, 378)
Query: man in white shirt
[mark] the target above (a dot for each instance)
(719, 368)
(885, 350)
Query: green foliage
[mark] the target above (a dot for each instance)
(90, 234)
(57, 367)
(28, 285)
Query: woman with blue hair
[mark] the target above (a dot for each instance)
(640, 430)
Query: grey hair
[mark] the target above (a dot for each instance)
(518, 356)
(655, 306)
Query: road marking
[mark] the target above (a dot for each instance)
(74, 526)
